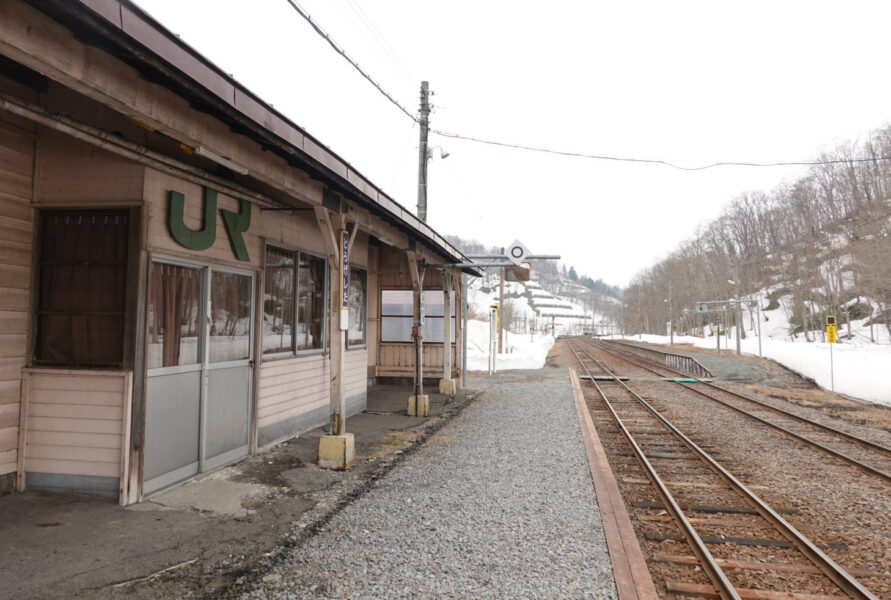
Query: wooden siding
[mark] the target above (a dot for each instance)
(16, 239)
(355, 372)
(76, 422)
(297, 230)
(71, 171)
(398, 360)
(293, 386)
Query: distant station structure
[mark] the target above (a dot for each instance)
(187, 276)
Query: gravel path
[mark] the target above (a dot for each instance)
(498, 504)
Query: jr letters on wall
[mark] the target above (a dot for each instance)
(202, 239)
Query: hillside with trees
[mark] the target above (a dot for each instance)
(819, 245)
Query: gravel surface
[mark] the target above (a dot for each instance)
(498, 504)
(838, 507)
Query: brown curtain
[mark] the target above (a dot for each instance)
(173, 314)
(83, 271)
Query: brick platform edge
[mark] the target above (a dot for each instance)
(633, 581)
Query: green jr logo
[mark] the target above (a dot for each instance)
(236, 224)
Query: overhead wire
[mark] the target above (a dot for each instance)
(604, 157)
(352, 62)
(379, 38)
(658, 161)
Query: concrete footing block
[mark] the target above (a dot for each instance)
(448, 387)
(418, 407)
(337, 451)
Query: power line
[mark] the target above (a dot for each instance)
(652, 161)
(659, 161)
(379, 38)
(346, 57)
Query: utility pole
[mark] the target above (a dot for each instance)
(422, 151)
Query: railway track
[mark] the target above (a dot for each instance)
(866, 455)
(742, 547)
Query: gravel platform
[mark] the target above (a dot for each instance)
(498, 504)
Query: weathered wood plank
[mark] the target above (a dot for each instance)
(9, 415)
(64, 438)
(9, 438)
(15, 206)
(89, 398)
(73, 425)
(76, 382)
(12, 321)
(87, 454)
(290, 385)
(12, 345)
(73, 411)
(68, 467)
(8, 461)
(271, 419)
(298, 403)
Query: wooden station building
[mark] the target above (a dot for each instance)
(172, 272)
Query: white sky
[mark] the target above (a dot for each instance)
(685, 81)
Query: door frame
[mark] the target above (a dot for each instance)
(203, 366)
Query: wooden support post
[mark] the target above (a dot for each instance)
(418, 402)
(460, 326)
(337, 450)
(447, 384)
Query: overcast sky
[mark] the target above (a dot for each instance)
(689, 82)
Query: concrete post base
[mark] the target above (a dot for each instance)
(418, 407)
(337, 452)
(448, 387)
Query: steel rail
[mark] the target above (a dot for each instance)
(833, 452)
(830, 568)
(829, 428)
(714, 572)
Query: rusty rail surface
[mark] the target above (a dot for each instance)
(687, 364)
(862, 442)
(725, 590)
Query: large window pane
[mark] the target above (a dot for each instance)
(397, 302)
(172, 313)
(82, 285)
(278, 302)
(356, 333)
(433, 329)
(230, 317)
(396, 329)
(310, 302)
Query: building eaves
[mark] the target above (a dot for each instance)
(141, 41)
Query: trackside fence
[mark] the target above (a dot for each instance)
(680, 362)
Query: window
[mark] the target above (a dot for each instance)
(278, 301)
(397, 315)
(358, 287)
(294, 301)
(229, 337)
(310, 302)
(82, 287)
(172, 314)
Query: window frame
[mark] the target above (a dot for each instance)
(294, 352)
(128, 298)
(364, 343)
(384, 316)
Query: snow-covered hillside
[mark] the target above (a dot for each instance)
(529, 307)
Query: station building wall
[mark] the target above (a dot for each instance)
(76, 427)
